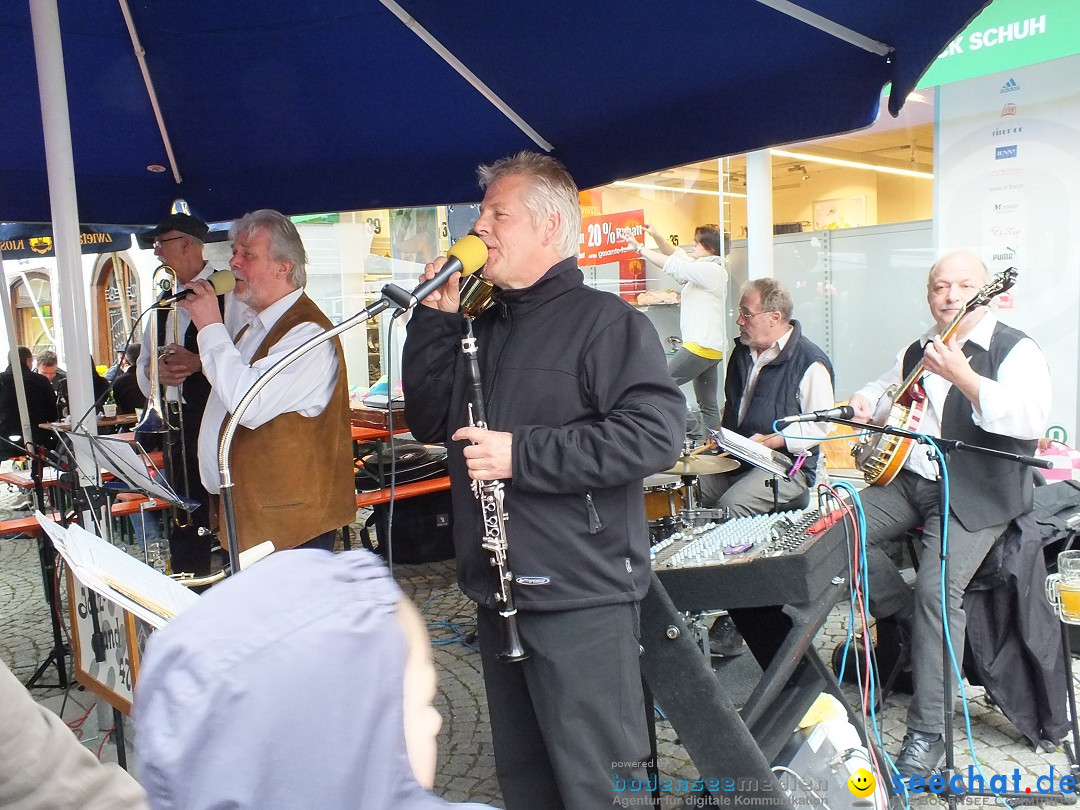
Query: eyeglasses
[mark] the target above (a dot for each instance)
(746, 314)
(159, 242)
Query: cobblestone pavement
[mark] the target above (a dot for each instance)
(466, 764)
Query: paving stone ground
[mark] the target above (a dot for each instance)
(466, 768)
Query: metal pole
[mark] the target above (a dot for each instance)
(56, 124)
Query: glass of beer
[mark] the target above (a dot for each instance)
(1063, 588)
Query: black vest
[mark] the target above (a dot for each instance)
(984, 491)
(196, 388)
(776, 393)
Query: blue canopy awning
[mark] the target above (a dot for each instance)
(339, 104)
(35, 240)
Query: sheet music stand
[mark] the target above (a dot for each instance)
(129, 463)
(756, 455)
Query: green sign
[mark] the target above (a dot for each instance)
(1007, 35)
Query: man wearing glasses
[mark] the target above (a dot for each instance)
(774, 371)
(178, 242)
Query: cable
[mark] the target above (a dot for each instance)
(104, 739)
(868, 693)
(945, 506)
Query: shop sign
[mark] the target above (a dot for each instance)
(1007, 35)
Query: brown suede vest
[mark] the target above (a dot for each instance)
(294, 476)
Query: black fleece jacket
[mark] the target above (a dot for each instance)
(579, 378)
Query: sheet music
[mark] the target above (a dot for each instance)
(751, 452)
(120, 458)
(117, 576)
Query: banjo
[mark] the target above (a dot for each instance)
(880, 457)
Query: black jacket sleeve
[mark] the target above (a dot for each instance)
(428, 359)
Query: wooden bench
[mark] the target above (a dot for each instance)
(29, 525)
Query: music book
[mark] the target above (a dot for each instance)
(116, 575)
(753, 453)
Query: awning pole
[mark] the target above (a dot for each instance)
(828, 26)
(466, 74)
(56, 124)
(140, 54)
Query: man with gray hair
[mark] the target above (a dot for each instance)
(292, 454)
(774, 371)
(580, 409)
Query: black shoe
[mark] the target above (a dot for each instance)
(725, 641)
(920, 754)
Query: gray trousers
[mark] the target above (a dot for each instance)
(750, 492)
(569, 723)
(685, 366)
(891, 511)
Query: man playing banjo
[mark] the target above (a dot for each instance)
(986, 384)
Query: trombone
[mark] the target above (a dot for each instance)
(155, 417)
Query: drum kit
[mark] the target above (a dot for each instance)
(672, 496)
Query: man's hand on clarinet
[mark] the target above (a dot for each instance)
(446, 298)
(489, 456)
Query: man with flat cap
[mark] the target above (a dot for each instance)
(178, 242)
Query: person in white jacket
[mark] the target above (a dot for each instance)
(703, 318)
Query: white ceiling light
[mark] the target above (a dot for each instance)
(851, 164)
(676, 189)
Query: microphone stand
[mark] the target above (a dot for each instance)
(947, 446)
(391, 295)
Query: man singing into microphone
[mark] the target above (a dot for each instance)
(178, 242)
(580, 409)
(774, 371)
(291, 459)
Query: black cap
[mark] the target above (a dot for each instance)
(185, 223)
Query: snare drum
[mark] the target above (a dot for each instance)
(663, 496)
(664, 499)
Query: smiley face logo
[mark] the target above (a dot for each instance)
(861, 783)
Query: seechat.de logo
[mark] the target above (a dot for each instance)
(1005, 152)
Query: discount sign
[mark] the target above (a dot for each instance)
(603, 241)
(603, 237)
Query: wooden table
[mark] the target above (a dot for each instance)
(372, 497)
(120, 420)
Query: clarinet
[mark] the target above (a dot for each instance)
(490, 494)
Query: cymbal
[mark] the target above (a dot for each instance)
(703, 465)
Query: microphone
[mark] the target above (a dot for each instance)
(223, 281)
(842, 412)
(467, 255)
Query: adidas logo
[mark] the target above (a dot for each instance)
(1010, 86)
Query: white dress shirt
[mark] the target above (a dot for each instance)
(815, 394)
(235, 312)
(305, 386)
(1016, 404)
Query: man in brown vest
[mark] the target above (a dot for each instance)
(291, 460)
